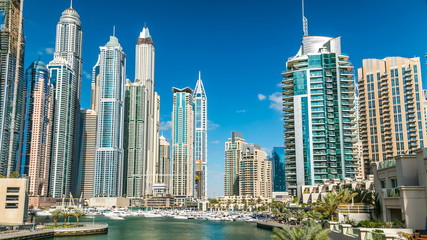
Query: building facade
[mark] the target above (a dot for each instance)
(67, 58)
(13, 201)
(278, 173)
(38, 118)
(200, 139)
(233, 156)
(109, 159)
(182, 145)
(162, 167)
(391, 108)
(12, 84)
(255, 172)
(318, 100)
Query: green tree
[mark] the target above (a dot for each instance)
(330, 202)
(313, 214)
(14, 175)
(55, 215)
(310, 230)
(65, 216)
(78, 214)
(300, 215)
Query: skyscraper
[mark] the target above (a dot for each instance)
(37, 139)
(278, 173)
(67, 60)
(142, 126)
(391, 108)
(162, 174)
(233, 156)
(12, 85)
(254, 172)
(87, 152)
(109, 163)
(182, 145)
(200, 139)
(318, 100)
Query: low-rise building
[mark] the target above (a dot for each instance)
(13, 201)
(109, 202)
(401, 183)
(242, 202)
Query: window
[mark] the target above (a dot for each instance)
(382, 184)
(12, 198)
(11, 205)
(393, 183)
(13, 190)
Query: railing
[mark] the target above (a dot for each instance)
(391, 192)
(387, 163)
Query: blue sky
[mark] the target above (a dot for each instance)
(241, 47)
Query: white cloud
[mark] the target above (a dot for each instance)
(165, 126)
(215, 142)
(241, 111)
(261, 97)
(276, 101)
(49, 50)
(212, 125)
(87, 75)
(279, 85)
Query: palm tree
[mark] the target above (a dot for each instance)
(78, 214)
(330, 202)
(55, 215)
(310, 230)
(313, 214)
(65, 215)
(300, 215)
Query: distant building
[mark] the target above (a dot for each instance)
(109, 159)
(162, 169)
(87, 153)
(182, 145)
(391, 108)
(401, 183)
(318, 100)
(13, 201)
(255, 172)
(278, 164)
(200, 139)
(12, 85)
(232, 158)
(38, 120)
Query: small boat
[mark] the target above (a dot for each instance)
(180, 217)
(116, 218)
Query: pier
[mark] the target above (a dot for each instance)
(87, 229)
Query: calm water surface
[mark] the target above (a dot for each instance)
(169, 228)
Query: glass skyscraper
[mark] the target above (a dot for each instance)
(109, 163)
(12, 85)
(37, 139)
(318, 100)
(278, 162)
(65, 71)
(182, 145)
(200, 139)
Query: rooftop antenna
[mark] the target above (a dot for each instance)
(145, 24)
(200, 75)
(304, 21)
(71, 3)
(114, 30)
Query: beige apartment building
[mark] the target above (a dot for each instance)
(233, 155)
(13, 201)
(255, 172)
(88, 134)
(391, 108)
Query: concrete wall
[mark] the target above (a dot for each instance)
(13, 200)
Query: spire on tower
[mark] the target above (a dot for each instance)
(304, 21)
(71, 3)
(200, 75)
(114, 30)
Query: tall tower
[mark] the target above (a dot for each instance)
(200, 139)
(37, 128)
(12, 85)
(233, 156)
(109, 163)
(318, 100)
(142, 150)
(161, 183)
(67, 57)
(391, 108)
(182, 145)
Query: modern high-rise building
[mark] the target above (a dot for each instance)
(182, 145)
(425, 105)
(12, 85)
(67, 60)
(391, 108)
(255, 172)
(200, 139)
(162, 173)
(137, 164)
(233, 156)
(278, 173)
(87, 153)
(142, 121)
(37, 137)
(109, 159)
(358, 142)
(318, 100)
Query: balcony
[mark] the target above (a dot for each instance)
(391, 192)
